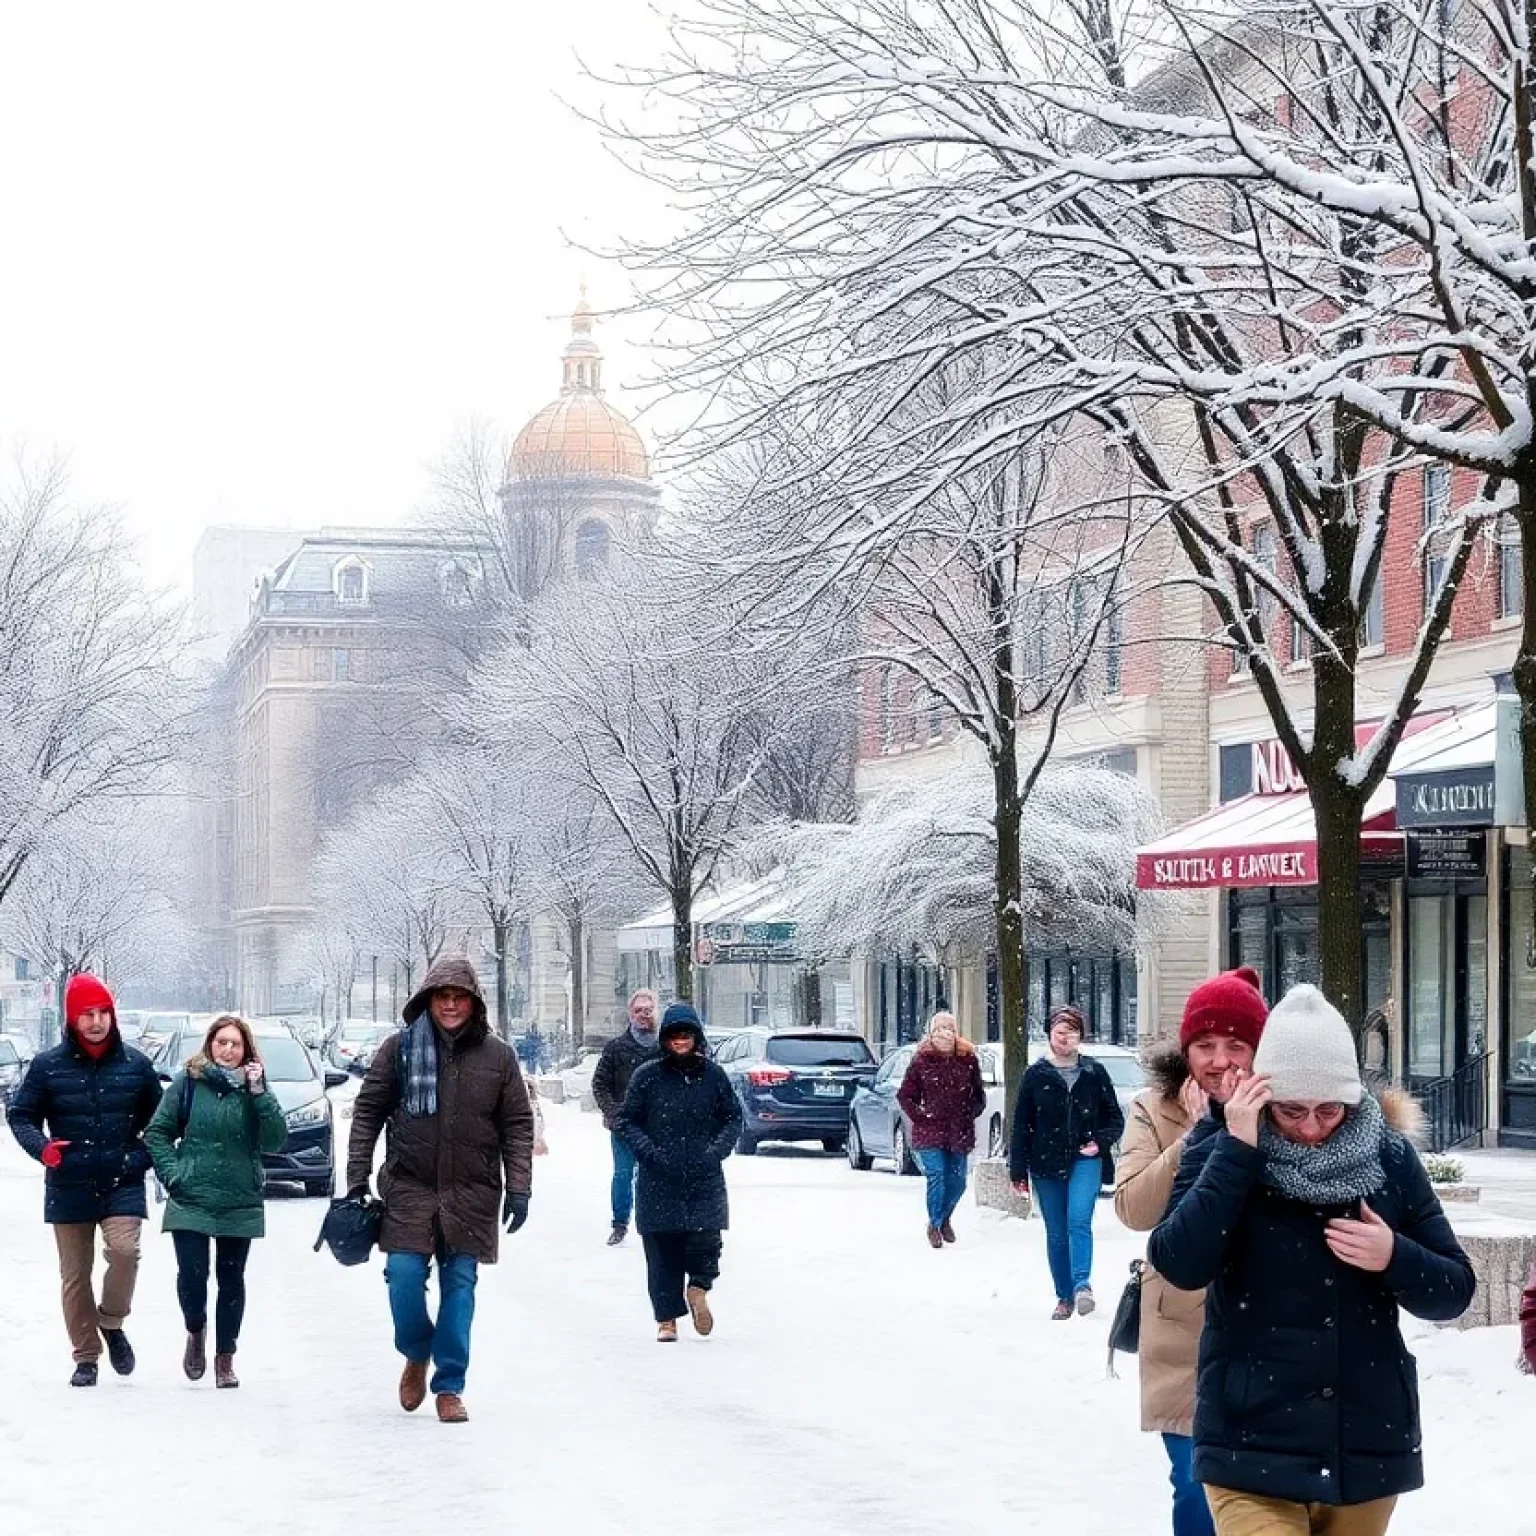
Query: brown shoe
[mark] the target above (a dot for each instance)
(947, 1232)
(224, 1371)
(194, 1358)
(934, 1239)
(1062, 1313)
(451, 1409)
(698, 1310)
(413, 1385)
(666, 1333)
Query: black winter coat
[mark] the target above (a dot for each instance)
(682, 1120)
(621, 1058)
(101, 1109)
(1049, 1125)
(1306, 1390)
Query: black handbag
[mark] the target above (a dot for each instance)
(1125, 1330)
(351, 1229)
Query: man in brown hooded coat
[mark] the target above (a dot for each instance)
(451, 1100)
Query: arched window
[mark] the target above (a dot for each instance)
(458, 584)
(351, 582)
(592, 541)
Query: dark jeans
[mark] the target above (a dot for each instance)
(446, 1342)
(623, 1180)
(675, 1258)
(946, 1182)
(192, 1285)
(1067, 1205)
(1191, 1508)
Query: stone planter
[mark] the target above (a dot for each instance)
(1459, 1194)
(1501, 1263)
(993, 1190)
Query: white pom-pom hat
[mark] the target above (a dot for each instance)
(1307, 1051)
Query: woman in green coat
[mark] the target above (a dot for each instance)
(207, 1142)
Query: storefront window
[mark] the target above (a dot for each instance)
(1519, 1068)
(1429, 985)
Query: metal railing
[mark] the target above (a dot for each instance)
(1456, 1107)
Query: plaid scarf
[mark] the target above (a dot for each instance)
(420, 1047)
(1345, 1167)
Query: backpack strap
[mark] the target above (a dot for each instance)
(184, 1108)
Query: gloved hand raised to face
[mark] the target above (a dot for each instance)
(514, 1210)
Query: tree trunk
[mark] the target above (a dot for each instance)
(1525, 675)
(503, 1012)
(577, 933)
(682, 941)
(810, 999)
(1008, 901)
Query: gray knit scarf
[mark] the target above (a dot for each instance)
(232, 1078)
(420, 1047)
(1345, 1167)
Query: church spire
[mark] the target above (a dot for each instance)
(583, 361)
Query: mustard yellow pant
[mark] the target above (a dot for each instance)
(1250, 1514)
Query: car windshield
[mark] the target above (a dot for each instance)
(158, 1023)
(819, 1051)
(8, 1054)
(1124, 1071)
(285, 1060)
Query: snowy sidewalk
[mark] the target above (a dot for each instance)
(858, 1383)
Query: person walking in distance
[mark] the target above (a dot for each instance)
(207, 1139)
(620, 1059)
(681, 1119)
(450, 1097)
(942, 1094)
(81, 1111)
(1189, 1084)
(1065, 1120)
(1312, 1223)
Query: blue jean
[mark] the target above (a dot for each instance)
(623, 1180)
(1191, 1509)
(946, 1182)
(446, 1342)
(1067, 1206)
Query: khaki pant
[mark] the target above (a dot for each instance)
(1250, 1514)
(120, 1248)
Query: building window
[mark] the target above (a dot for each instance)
(1373, 619)
(1301, 642)
(1437, 511)
(935, 717)
(592, 542)
(1077, 619)
(1511, 569)
(458, 584)
(1114, 647)
(887, 714)
(341, 665)
(23, 969)
(351, 583)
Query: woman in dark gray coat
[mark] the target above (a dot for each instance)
(681, 1120)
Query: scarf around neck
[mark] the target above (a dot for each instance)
(420, 1047)
(224, 1079)
(1345, 1167)
(645, 1037)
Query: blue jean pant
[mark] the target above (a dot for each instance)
(1191, 1508)
(623, 1180)
(1067, 1206)
(446, 1342)
(946, 1182)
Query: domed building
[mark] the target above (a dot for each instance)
(579, 468)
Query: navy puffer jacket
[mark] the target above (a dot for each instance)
(681, 1119)
(101, 1109)
(1306, 1391)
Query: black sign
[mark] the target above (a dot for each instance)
(1462, 797)
(1447, 855)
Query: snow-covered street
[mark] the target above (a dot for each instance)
(858, 1382)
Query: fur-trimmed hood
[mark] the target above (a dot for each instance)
(1167, 1071)
(963, 1047)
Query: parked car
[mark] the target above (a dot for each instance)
(352, 1049)
(156, 1028)
(879, 1127)
(15, 1056)
(796, 1084)
(308, 1156)
(714, 1039)
(1123, 1065)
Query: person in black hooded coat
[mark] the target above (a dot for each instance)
(681, 1120)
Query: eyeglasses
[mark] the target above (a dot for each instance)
(1294, 1115)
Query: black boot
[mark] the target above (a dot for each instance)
(194, 1358)
(85, 1374)
(619, 1233)
(119, 1351)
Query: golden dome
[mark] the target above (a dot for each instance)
(580, 434)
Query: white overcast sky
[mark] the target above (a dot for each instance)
(258, 261)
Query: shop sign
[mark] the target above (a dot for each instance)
(1447, 855)
(1459, 797)
(1231, 868)
(749, 943)
(1273, 771)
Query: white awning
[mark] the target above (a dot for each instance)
(747, 901)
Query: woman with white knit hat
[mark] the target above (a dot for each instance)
(1312, 1222)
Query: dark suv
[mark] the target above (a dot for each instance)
(795, 1084)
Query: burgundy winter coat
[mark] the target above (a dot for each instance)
(1528, 1319)
(942, 1096)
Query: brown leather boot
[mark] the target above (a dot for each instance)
(194, 1358)
(451, 1409)
(947, 1232)
(413, 1385)
(934, 1239)
(666, 1333)
(224, 1371)
(698, 1310)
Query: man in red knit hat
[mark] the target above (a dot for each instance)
(81, 1112)
(1223, 1019)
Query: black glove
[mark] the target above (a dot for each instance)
(514, 1210)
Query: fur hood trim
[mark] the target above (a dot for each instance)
(1167, 1070)
(963, 1047)
(1404, 1114)
(197, 1065)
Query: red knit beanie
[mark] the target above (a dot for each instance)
(1230, 1004)
(85, 992)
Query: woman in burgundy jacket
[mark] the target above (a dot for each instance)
(1528, 1323)
(941, 1095)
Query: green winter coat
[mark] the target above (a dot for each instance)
(213, 1173)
